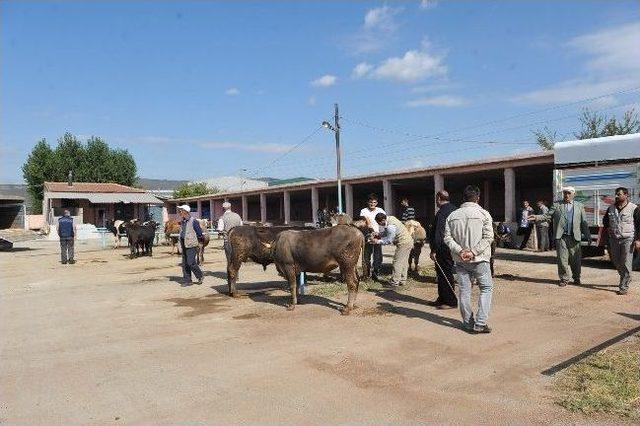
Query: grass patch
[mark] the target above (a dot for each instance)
(606, 382)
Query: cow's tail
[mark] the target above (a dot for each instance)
(361, 254)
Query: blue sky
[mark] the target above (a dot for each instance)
(211, 88)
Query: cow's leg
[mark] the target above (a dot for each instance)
(351, 277)
(291, 276)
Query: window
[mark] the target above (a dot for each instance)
(194, 206)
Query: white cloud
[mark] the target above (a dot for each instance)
(444, 100)
(436, 87)
(381, 18)
(312, 101)
(428, 4)
(361, 70)
(232, 91)
(325, 81)
(573, 90)
(615, 48)
(262, 147)
(377, 30)
(612, 64)
(413, 66)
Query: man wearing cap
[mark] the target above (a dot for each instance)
(569, 227)
(190, 235)
(226, 223)
(622, 223)
(393, 231)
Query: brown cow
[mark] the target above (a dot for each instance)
(172, 226)
(204, 224)
(245, 243)
(319, 250)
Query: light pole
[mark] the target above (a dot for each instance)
(336, 130)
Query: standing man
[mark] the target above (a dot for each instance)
(543, 227)
(67, 233)
(190, 234)
(441, 254)
(226, 223)
(369, 214)
(469, 234)
(622, 222)
(392, 231)
(408, 212)
(569, 226)
(524, 225)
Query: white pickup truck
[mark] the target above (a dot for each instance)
(596, 167)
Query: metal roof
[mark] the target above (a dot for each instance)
(621, 147)
(110, 197)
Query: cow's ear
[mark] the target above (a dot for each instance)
(267, 245)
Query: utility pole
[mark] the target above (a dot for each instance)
(338, 168)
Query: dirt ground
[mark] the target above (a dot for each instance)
(112, 340)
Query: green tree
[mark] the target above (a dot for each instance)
(93, 162)
(546, 138)
(593, 125)
(192, 189)
(36, 170)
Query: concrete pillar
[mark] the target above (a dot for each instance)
(314, 204)
(199, 209)
(438, 185)
(509, 195)
(211, 212)
(348, 199)
(245, 209)
(486, 193)
(387, 195)
(286, 199)
(263, 207)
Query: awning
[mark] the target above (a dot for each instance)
(109, 197)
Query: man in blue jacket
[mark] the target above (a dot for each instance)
(190, 236)
(67, 234)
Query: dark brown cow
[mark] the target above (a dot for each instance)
(319, 250)
(172, 226)
(245, 243)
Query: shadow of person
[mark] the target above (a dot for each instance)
(510, 277)
(415, 313)
(395, 296)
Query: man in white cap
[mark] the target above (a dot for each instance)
(190, 235)
(569, 227)
(228, 220)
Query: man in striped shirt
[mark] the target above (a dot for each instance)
(408, 212)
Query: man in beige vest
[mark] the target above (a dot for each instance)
(392, 231)
(190, 234)
(622, 223)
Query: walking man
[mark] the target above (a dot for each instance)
(441, 254)
(190, 235)
(408, 212)
(469, 234)
(543, 227)
(524, 225)
(569, 226)
(622, 222)
(369, 214)
(67, 234)
(393, 231)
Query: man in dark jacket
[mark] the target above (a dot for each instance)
(441, 254)
(67, 234)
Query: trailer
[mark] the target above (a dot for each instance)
(595, 168)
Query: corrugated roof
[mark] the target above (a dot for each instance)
(89, 187)
(111, 197)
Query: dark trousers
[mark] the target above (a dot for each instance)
(66, 249)
(526, 233)
(190, 262)
(444, 272)
(376, 251)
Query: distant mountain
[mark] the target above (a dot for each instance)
(159, 184)
(275, 181)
